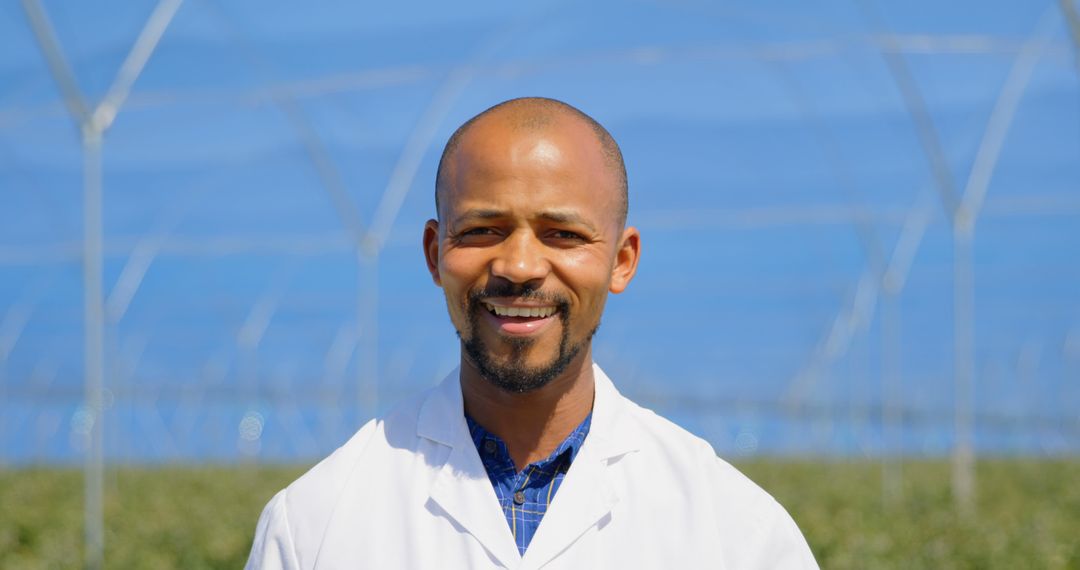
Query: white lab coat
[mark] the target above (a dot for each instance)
(409, 491)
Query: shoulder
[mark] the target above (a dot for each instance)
(752, 525)
(661, 439)
(295, 520)
(318, 488)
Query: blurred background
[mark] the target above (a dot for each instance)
(860, 280)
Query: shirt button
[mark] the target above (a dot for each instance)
(490, 446)
(519, 498)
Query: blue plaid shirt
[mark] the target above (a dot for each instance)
(525, 496)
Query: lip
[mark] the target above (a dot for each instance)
(511, 302)
(518, 326)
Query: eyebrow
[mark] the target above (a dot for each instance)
(556, 216)
(479, 214)
(566, 217)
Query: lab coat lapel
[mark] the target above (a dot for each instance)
(587, 494)
(584, 498)
(461, 489)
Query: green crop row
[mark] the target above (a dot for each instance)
(1027, 514)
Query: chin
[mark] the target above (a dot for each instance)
(521, 370)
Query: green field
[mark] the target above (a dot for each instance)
(1028, 515)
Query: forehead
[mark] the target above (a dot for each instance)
(545, 163)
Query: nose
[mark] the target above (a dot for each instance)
(521, 259)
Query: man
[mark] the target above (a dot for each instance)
(527, 456)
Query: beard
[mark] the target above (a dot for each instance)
(514, 374)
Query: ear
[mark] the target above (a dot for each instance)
(431, 250)
(626, 260)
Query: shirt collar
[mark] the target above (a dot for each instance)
(441, 418)
(568, 449)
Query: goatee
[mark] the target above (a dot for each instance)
(514, 375)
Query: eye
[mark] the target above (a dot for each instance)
(477, 232)
(481, 235)
(567, 235)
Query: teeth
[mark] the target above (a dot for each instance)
(542, 312)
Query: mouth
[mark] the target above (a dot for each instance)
(520, 319)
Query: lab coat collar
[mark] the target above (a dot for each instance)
(464, 492)
(442, 417)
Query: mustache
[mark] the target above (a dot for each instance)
(518, 291)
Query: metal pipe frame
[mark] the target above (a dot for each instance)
(964, 219)
(962, 213)
(365, 80)
(884, 285)
(92, 126)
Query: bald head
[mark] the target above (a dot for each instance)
(537, 114)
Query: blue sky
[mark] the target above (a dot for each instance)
(769, 152)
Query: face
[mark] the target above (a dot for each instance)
(528, 247)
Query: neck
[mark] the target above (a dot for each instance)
(532, 424)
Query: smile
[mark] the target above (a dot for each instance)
(540, 312)
(520, 320)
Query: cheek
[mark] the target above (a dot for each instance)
(588, 275)
(460, 273)
(461, 265)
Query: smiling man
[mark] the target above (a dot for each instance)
(527, 456)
